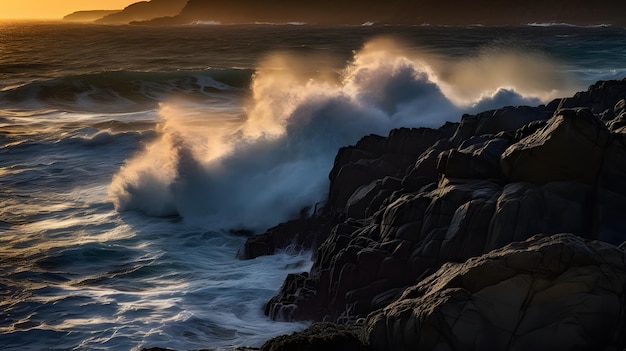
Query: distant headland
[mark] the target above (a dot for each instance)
(442, 12)
(88, 16)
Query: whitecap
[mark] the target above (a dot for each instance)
(267, 167)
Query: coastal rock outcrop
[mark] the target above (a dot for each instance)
(558, 292)
(547, 293)
(404, 206)
(569, 147)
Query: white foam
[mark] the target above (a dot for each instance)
(264, 169)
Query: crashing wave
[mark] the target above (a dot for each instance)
(265, 168)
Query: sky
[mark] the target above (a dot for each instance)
(47, 9)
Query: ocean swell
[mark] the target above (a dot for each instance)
(261, 169)
(124, 91)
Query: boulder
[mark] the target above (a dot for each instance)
(569, 147)
(524, 209)
(556, 292)
(493, 122)
(476, 158)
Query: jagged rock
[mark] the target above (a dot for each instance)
(494, 181)
(600, 97)
(368, 147)
(289, 303)
(355, 175)
(426, 164)
(547, 293)
(619, 121)
(495, 121)
(569, 147)
(299, 234)
(375, 157)
(620, 107)
(476, 158)
(358, 205)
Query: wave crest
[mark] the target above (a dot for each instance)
(258, 171)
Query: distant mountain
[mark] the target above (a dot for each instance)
(488, 12)
(144, 11)
(282, 11)
(88, 16)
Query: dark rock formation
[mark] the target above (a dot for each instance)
(405, 205)
(557, 292)
(569, 147)
(298, 234)
(547, 293)
(88, 16)
(144, 11)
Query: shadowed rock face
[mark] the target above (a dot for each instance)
(547, 293)
(408, 204)
(570, 147)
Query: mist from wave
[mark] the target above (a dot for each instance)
(274, 163)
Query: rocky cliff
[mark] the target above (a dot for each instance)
(144, 11)
(88, 16)
(450, 238)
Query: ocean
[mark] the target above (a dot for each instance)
(132, 158)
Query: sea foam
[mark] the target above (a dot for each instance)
(263, 169)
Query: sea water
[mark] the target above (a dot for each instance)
(129, 154)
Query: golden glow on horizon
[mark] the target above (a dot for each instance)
(46, 9)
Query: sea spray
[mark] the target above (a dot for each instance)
(532, 75)
(265, 168)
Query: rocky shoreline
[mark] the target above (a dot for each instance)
(453, 238)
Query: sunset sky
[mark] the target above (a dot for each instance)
(46, 9)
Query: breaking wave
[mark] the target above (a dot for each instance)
(261, 169)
